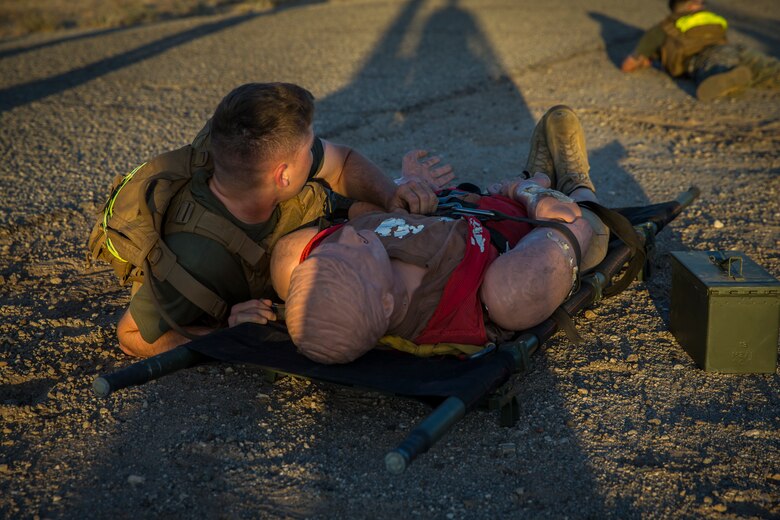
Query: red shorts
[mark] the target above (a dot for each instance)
(459, 317)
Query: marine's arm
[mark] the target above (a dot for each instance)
(142, 331)
(647, 49)
(132, 342)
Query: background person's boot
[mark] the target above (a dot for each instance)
(724, 83)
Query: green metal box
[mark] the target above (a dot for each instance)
(725, 311)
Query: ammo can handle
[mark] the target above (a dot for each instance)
(725, 263)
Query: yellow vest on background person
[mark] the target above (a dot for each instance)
(688, 35)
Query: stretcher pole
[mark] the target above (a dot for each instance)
(147, 370)
(425, 435)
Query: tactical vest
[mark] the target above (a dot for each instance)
(186, 215)
(687, 36)
(155, 200)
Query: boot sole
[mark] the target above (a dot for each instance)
(724, 83)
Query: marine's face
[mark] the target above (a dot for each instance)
(299, 165)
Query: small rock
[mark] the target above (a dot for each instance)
(55, 280)
(752, 433)
(229, 370)
(708, 460)
(773, 476)
(507, 449)
(717, 224)
(591, 315)
(582, 391)
(720, 508)
(678, 367)
(632, 358)
(655, 421)
(135, 480)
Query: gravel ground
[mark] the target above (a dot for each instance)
(624, 426)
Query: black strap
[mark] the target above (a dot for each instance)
(158, 306)
(554, 224)
(567, 324)
(621, 228)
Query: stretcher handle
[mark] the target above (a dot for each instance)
(425, 435)
(147, 370)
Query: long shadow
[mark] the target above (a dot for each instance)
(448, 72)
(763, 30)
(619, 37)
(14, 51)
(22, 94)
(616, 187)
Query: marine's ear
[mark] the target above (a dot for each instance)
(280, 175)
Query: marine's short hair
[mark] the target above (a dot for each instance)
(258, 121)
(332, 315)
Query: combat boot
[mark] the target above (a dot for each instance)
(724, 83)
(539, 157)
(566, 143)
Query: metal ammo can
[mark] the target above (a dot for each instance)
(725, 311)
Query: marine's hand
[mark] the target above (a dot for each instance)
(252, 311)
(633, 63)
(414, 197)
(417, 165)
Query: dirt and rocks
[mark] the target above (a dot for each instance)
(624, 426)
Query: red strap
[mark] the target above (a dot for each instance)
(458, 317)
(317, 240)
(511, 230)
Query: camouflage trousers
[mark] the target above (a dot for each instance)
(765, 70)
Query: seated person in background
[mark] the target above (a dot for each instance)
(691, 41)
(435, 279)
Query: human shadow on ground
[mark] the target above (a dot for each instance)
(24, 93)
(619, 38)
(87, 34)
(429, 78)
(13, 51)
(398, 94)
(763, 30)
(618, 188)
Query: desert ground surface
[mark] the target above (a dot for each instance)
(623, 426)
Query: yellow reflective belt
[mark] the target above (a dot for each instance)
(689, 21)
